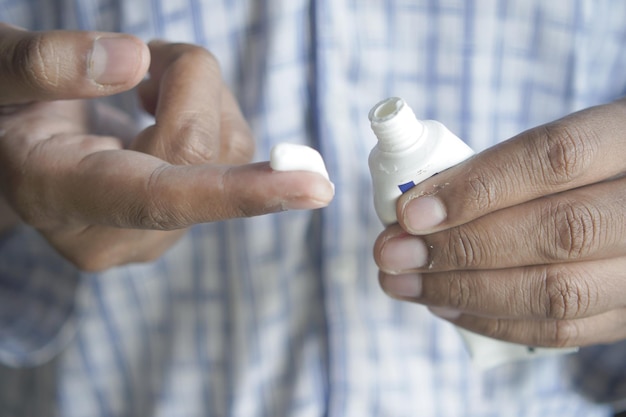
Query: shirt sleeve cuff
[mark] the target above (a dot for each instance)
(38, 293)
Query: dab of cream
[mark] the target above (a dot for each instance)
(292, 157)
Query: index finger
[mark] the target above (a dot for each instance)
(134, 190)
(580, 149)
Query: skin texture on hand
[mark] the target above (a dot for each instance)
(525, 242)
(100, 201)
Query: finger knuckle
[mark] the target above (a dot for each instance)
(496, 328)
(465, 250)
(35, 63)
(576, 226)
(567, 296)
(459, 292)
(152, 213)
(481, 192)
(567, 151)
(152, 216)
(193, 146)
(562, 333)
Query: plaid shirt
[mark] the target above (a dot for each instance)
(282, 314)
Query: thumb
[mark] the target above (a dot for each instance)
(54, 65)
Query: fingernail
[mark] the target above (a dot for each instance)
(320, 195)
(445, 313)
(113, 60)
(423, 213)
(406, 285)
(403, 253)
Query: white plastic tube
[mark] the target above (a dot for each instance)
(408, 152)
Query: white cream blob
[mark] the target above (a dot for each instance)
(292, 157)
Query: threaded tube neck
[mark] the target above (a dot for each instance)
(395, 125)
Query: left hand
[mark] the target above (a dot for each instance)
(113, 196)
(524, 242)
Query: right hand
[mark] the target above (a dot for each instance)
(101, 203)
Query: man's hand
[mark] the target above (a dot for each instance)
(525, 242)
(100, 200)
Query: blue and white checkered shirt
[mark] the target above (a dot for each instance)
(282, 315)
